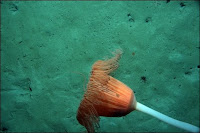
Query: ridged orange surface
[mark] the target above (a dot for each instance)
(105, 95)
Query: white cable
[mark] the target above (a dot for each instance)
(167, 119)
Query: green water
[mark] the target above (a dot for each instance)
(48, 49)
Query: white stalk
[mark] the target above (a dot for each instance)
(167, 119)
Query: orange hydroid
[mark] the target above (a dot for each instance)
(105, 95)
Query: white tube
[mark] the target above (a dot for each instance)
(164, 118)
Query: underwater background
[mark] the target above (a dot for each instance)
(49, 47)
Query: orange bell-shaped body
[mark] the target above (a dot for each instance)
(105, 95)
